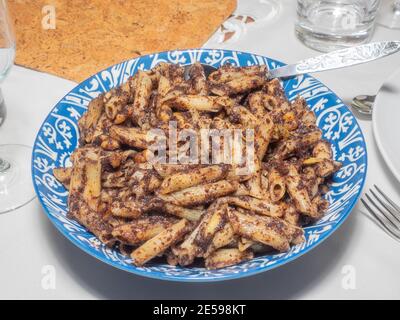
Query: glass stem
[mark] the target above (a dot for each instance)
(4, 165)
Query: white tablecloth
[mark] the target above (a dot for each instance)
(359, 248)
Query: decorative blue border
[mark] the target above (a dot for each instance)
(58, 137)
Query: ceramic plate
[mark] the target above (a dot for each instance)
(58, 137)
(385, 117)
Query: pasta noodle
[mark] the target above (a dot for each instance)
(255, 174)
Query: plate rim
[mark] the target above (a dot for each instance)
(375, 130)
(174, 278)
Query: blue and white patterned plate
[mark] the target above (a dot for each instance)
(58, 137)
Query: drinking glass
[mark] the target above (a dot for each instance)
(260, 10)
(15, 173)
(389, 14)
(327, 25)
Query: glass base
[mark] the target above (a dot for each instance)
(16, 188)
(326, 43)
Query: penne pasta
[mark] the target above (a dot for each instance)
(198, 79)
(326, 166)
(141, 100)
(133, 137)
(115, 102)
(227, 257)
(126, 209)
(141, 230)
(256, 103)
(183, 180)
(189, 249)
(207, 230)
(159, 243)
(63, 175)
(228, 73)
(269, 231)
(89, 121)
(254, 183)
(85, 192)
(239, 85)
(277, 185)
(205, 193)
(194, 102)
(263, 207)
(299, 193)
(222, 238)
(296, 144)
(292, 216)
(92, 178)
(260, 174)
(181, 212)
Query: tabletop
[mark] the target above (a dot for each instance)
(359, 261)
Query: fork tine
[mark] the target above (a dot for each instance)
(373, 214)
(396, 220)
(395, 206)
(379, 220)
(383, 216)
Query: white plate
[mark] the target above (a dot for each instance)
(386, 122)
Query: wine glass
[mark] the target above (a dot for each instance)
(260, 10)
(389, 15)
(15, 172)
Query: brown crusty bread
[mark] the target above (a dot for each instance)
(92, 35)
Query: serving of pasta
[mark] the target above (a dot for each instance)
(139, 183)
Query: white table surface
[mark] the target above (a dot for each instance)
(29, 242)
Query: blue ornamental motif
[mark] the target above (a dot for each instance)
(58, 137)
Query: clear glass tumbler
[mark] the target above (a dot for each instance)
(327, 25)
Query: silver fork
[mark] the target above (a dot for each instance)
(384, 210)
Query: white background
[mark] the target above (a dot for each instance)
(28, 241)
